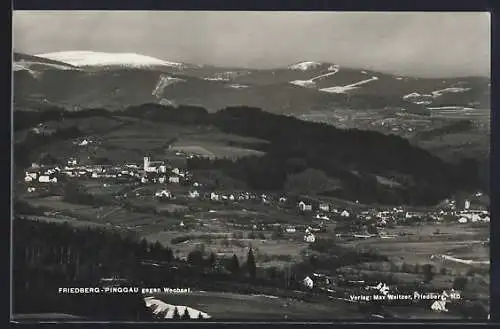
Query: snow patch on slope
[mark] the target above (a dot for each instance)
(310, 83)
(449, 90)
(20, 67)
(237, 86)
(92, 58)
(304, 66)
(226, 76)
(22, 64)
(344, 89)
(160, 307)
(163, 82)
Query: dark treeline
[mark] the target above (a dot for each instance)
(48, 256)
(352, 156)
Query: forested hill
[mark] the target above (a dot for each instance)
(353, 157)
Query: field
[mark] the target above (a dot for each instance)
(125, 140)
(421, 245)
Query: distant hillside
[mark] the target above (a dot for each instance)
(118, 80)
(354, 158)
(312, 91)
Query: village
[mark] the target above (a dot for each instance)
(365, 222)
(278, 226)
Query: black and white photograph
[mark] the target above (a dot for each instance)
(246, 166)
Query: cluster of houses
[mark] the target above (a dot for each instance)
(40, 174)
(152, 172)
(473, 216)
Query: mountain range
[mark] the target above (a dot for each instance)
(311, 90)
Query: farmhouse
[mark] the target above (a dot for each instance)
(308, 282)
(173, 179)
(324, 207)
(324, 217)
(214, 196)
(164, 194)
(47, 179)
(345, 213)
(309, 238)
(304, 207)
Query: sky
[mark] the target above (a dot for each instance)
(431, 44)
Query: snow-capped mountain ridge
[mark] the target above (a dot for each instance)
(98, 59)
(304, 66)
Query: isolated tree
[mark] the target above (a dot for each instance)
(428, 273)
(251, 266)
(195, 257)
(176, 315)
(200, 316)
(185, 316)
(211, 259)
(234, 266)
(168, 254)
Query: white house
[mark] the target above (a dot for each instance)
(214, 196)
(282, 199)
(194, 194)
(162, 179)
(308, 282)
(144, 180)
(84, 142)
(231, 197)
(176, 171)
(31, 189)
(196, 184)
(463, 220)
(28, 179)
(44, 179)
(345, 213)
(439, 306)
(163, 194)
(324, 207)
(162, 169)
(486, 219)
(304, 207)
(309, 238)
(174, 179)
